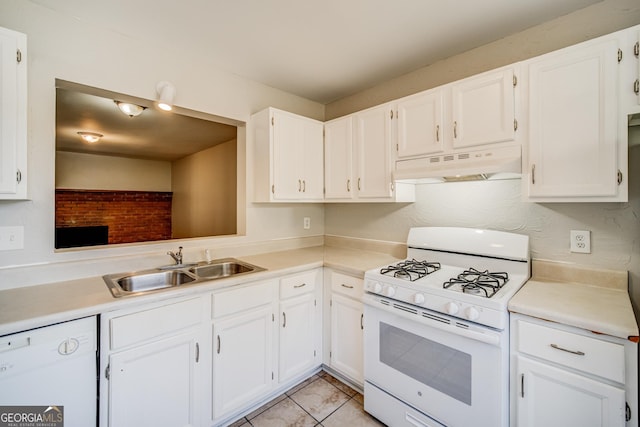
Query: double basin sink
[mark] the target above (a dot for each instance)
(171, 276)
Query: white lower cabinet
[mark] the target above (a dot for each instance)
(299, 349)
(550, 396)
(151, 365)
(265, 338)
(242, 359)
(563, 376)
(242, 347)
(346, 350)
(155, 384)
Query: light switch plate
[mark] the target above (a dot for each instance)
(11, 238)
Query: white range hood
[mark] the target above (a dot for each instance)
(461, 165)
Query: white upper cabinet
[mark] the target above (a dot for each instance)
(467, 127)
(577, 138)
(373, 148)
(13, 115)
(359, 158)
(483, 109)
(288, 157)
(421, 124)
(338, 153)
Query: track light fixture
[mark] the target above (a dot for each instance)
(166, 93)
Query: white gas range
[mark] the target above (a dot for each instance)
(436, 328)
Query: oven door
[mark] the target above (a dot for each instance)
(453, 371)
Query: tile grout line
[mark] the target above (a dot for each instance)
(335, 410)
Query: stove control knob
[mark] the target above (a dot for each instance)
(376, 287)
(418, 298)
(452, 308)
(390, 291)
(472, 313)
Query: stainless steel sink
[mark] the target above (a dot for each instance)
(149, 281)
(223, 268)
(141, 282)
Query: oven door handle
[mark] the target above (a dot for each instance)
(491, 338)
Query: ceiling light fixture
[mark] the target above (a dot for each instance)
(166, 92)
(131, 110)
(90, 137)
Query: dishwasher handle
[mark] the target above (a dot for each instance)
(14, 343)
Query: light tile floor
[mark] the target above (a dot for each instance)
(320, 401)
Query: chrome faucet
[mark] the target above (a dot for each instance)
(177, 257)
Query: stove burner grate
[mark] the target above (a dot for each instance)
(482, 283)
(411, 269)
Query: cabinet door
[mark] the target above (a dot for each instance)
(297, 157)
(311, 166)
(373, 152)
(242, 359)
(338, 158)
(288, 134)
(13, 113)
(298, 334)
(346, 337)
(483, 109)
(551, 397)
(420, 124)
(573, 120)
(155, 384)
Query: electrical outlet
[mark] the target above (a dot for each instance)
(11, 238)
(581, 241)
(306, 223)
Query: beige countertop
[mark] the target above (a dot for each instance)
(595, 300)
(35, 306)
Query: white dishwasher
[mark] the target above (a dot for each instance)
(53, 366)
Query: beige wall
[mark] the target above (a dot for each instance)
(97, 172)
(498, 205)
(204, 192)
(593, 21)
(63, 47)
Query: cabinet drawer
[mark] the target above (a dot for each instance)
(298, 284)
(591, 355)
(240, 299)
(145, 325)
(347, 285)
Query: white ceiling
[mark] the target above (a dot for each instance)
(322, 50)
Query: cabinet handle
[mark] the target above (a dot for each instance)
(522, 385)
(346, 286)
(636, 86)
(348, 185)
(362, 321)
(197, 352)
(438, 133)
(619, 177)
(284, 319)
(218, 351)
(557, 347)
(636, 49)
(533, 173)
(304, 186)
(19, 174)
(455, 129)
(299, 186)
(299, 286)
(358, 184)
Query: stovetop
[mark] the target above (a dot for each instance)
(471, 286)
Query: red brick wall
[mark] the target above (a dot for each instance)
(132, 216)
